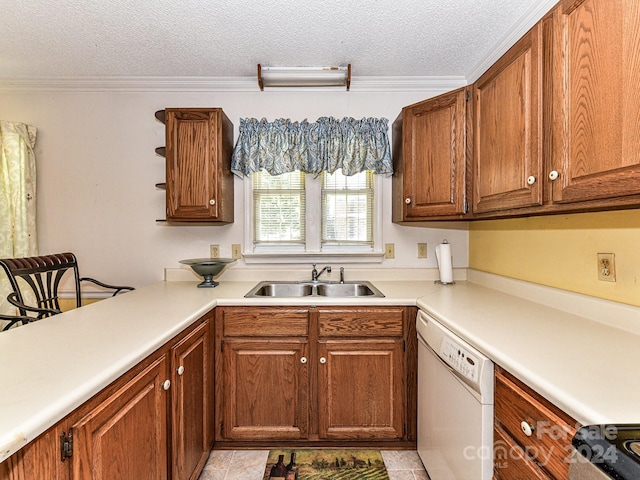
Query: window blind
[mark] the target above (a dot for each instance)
(347, 208)
(279, 206)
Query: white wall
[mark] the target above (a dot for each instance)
(97, 170)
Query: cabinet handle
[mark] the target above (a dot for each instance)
(407, 200)
(180, 370)
(166, 384)
(212, 201)
(526, 428)
(553, 175)
(303, 360)
(323, 360)
(531, 180)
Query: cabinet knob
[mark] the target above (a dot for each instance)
(531, 180)
(407, 200)
(212, 201)
(303, 360)
(526, 428)
(180, 370)
(166, 384)
(553, 175)
(323, 360)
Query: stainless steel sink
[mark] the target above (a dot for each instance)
(281, 289)
(313, 289)
(348, 289)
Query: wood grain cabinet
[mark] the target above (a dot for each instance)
(199, 182)
(262, 385)
(192, 402)
(305, 375)
(595, 146)
(361, 373)
(125, 435)
(532, 437)
(507, 148)
(154, 422)
(430, 159)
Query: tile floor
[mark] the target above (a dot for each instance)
(251, 464)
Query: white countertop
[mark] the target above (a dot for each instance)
(583, 366)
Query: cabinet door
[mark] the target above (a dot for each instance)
(507, 129)
(125, 436)
(265, 385)
(199, 183)
(430, 172)
(39, 459)
(192, 403)
(596, 146)
(360, 386)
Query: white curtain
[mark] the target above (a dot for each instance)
(17, 197)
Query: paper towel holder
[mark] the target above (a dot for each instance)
(440, 282)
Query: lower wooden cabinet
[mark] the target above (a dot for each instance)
(192, 402)
(532, 437)
(360, 389)
(125, 435)
(305, 375)
(155, 422)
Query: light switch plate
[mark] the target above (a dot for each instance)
(389, 250)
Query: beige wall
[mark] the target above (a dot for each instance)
(96, 171)
(560, 251)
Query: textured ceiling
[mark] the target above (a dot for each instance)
(220, 38)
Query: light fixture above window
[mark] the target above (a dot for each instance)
(304, 76)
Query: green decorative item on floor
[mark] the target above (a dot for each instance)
(331, 464)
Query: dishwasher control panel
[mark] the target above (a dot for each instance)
(460, 359)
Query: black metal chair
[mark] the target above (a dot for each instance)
(36, 280)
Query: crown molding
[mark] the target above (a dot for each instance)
(528, 20)
(430, 85)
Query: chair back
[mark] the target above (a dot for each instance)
(37, 279)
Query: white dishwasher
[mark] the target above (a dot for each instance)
(455, 405)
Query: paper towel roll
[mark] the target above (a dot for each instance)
(445, 263)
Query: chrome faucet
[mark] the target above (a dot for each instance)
(341, 274)
(315, 274)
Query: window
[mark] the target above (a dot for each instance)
(279, 209)
(347, 209)
(301, 213)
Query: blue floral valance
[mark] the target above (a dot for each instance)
(325, 145)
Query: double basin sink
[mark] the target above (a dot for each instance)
(314, 289)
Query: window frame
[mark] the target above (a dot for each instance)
(312, 250)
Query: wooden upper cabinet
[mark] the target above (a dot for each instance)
(507, 132)
(430, 168)
(596, 100)
(199, 182)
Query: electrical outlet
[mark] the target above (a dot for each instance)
(422, 250)
(236, 251)
(607, 267)
(389, 250)
(215, 251)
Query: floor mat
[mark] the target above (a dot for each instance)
(333, 464)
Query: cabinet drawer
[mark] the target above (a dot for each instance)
(550, 441)
(361, 322)
(510, 462)
(264, 322)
